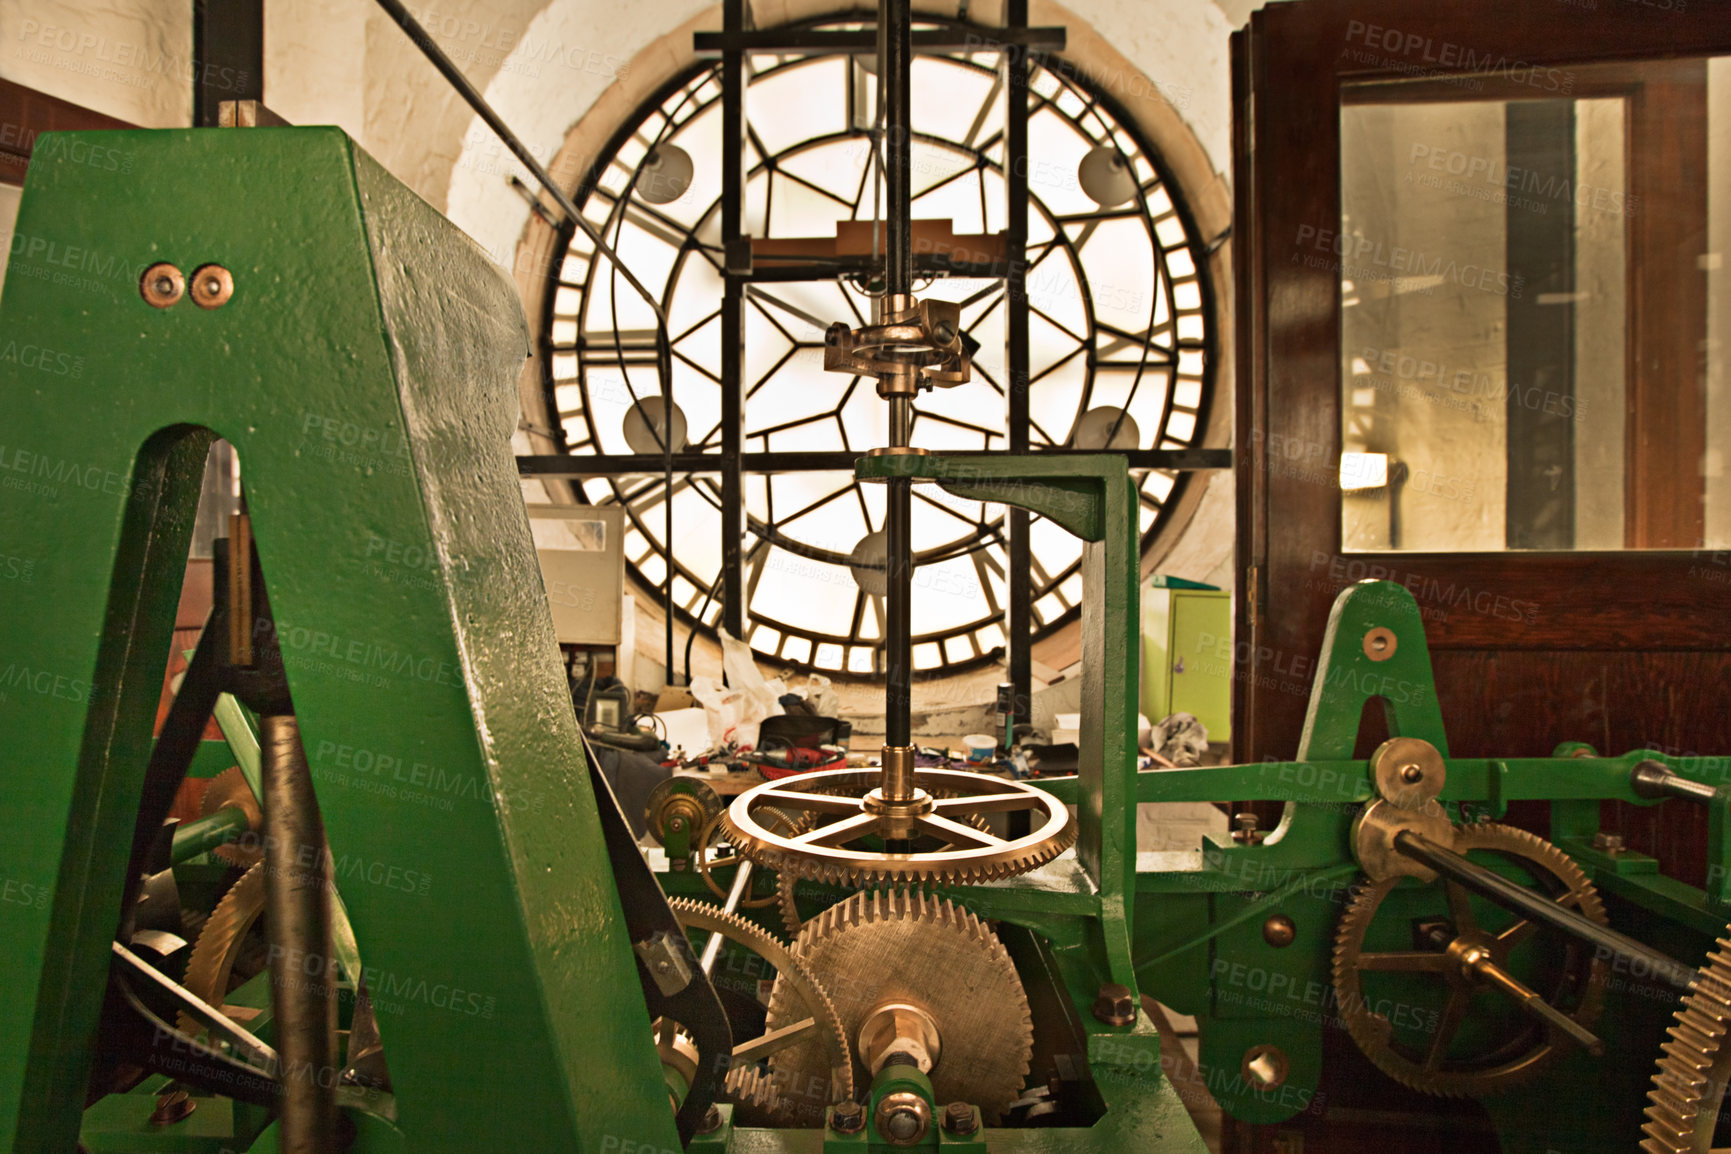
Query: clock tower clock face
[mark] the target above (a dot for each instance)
(1121, 347)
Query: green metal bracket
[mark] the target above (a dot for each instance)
(365, 370)
(1092, 497)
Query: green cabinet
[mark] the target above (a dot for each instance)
(1187, 655)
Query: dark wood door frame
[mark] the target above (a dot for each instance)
(1616, 636)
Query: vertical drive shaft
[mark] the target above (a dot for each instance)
(303, 970)
(895, 51)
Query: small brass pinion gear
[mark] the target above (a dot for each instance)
(879, 948)
(1684, 1104)
(1447, 958)
(947, 846)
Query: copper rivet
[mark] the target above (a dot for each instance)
(212, 285)
(1279, 932)
(1380, 644)
(162, 285)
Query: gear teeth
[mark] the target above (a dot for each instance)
(213, 954)
(985, 954)
(1372, 1031)
(789, 969)
(1693, 1062)
(232, 785)
(772, 851)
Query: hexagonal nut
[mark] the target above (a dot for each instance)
(959, 1118)
(1115, 1005)
(848, 1116)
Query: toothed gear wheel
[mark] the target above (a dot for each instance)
(749, 1088)
(835, 1082)
(230, 788)
(221, 942)
(1561, 968)
(787, 884)
(900, 947)
(947, 848)
(707, 855)
(1689, 1085)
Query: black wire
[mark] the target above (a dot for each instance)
(663, 345)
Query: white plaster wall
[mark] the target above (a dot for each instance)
(1182, 45)
(315, 63)
(543, 64)
(126, 58)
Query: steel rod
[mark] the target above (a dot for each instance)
(735, 894)
(733, 314)
(1535, 1005)
(1520, 900)
(821, 41)
(839, 460)
(303, 969)
(473, 98)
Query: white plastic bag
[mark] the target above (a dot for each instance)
(735, 711)
(821, 697)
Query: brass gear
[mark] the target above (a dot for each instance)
(679, 798)
(712, 836)
(230, 788)
(905, 947)
(744, 1084)
(219, 942)
(1512, 1061)
(787, 885)
(1695, 1065)
(838, 798)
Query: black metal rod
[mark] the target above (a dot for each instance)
(839, 460)
(1519, 899)
(303, 968)
(895, 59)
(898, 625)
(733, 313)
(1020, 619)
(473, 98)
(663, 346)
(822, 41)
(1652, 779)
(895, 56)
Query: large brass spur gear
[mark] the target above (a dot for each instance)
(898, 948)
(1418, 1043)
(1685, 1104)
(814, 1024)
(846, 843)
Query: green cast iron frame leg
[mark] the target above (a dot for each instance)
(365, 371)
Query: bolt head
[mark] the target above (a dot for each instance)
(1115, 1005)
(1411, 774)
(959, 1118)
(1278, 931)
(848, 1116)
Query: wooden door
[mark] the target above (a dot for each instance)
(1588, 597)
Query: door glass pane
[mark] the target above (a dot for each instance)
(1533, 313)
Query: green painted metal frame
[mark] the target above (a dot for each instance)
(365, 370)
